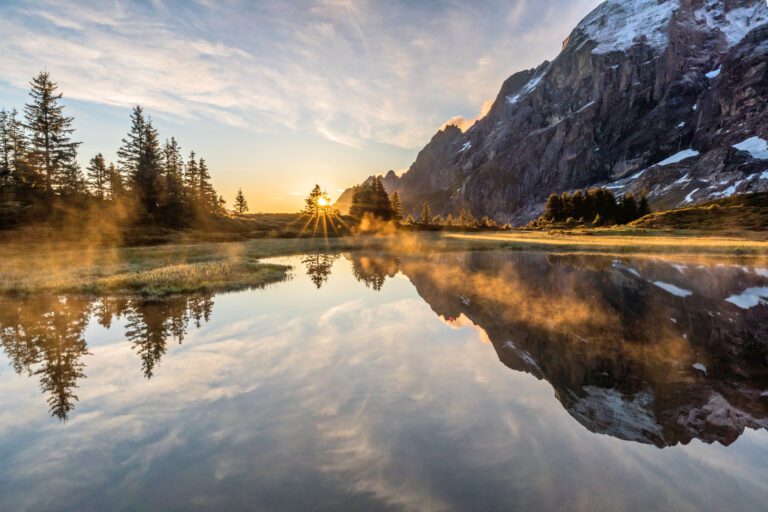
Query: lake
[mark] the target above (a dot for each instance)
(368, 381)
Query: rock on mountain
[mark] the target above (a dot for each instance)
(669, 97)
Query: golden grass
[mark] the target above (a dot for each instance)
(612, 242)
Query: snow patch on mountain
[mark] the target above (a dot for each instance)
(530, 86)
(755, 146)
(750, 297)
(728, 192)
(689, 197)
(736, 23)
(674, 290)
(616, 25)
(679, 157)
(714, 73)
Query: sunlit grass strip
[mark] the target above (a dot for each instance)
(624, 242)
(186, 278)
(166, 280)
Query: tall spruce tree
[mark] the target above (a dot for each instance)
(97, 177)
(71, 180)
(397, 207)
(52, 151)
(146, 181)
(130, 153)
(173, 173)
(191, 178)
(141, 162)
(206, 193)
(115, 183)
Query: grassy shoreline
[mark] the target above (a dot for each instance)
(160, 270)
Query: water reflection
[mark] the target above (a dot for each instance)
(374, 391)
(640, 349)
(43, 336)
(319, 265)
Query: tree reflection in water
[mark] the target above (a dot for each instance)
(374, 270)
(319, 267)
(640, 349)
(44, 336)
(370, 269)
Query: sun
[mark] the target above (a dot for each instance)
(323, 202)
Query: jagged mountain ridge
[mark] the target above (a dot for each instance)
(637, 82)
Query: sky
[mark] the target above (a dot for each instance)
(278, 95)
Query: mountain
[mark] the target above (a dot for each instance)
(669, 97)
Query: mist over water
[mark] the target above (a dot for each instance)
(442, 381)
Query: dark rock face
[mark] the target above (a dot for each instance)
(651, 351)
(637, 82)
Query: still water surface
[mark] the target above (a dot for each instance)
(456, 381)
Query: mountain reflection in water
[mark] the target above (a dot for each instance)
(626, 356)
(640, 349)
(361, 384)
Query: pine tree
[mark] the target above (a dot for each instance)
(140, 162)
(131, 152)
(97, 177)
(191, 178)
(312, 201)
(173, 187)
(115, 183)
(426, 214)
(145, 180)
(206, 193)
(16, 145)
(71, 180)
(52, 151)
(397, 207)
(241, 205)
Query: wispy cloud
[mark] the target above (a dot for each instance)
(351, 71)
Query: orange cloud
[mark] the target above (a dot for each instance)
(465, 124)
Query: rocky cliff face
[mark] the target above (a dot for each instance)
(664, 96)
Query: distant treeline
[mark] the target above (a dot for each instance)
(40, 176)
(596, 206)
